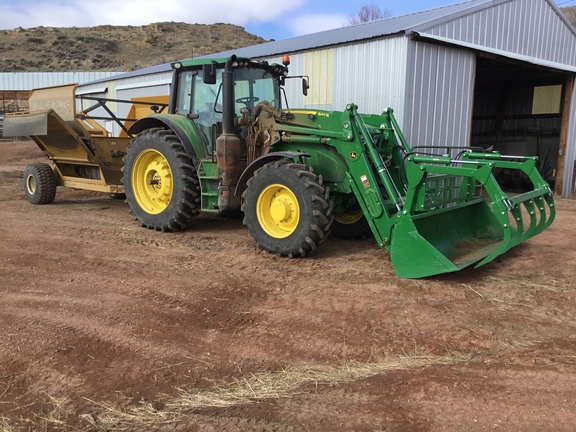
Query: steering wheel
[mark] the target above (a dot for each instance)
(248, 100)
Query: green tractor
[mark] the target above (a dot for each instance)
(229, 144)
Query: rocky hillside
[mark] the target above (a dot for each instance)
(114, 48)
(570, 12)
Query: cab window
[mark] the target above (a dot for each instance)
(252, 86)
(184, 92)
(207, 101)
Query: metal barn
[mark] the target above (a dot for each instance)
(491, 73)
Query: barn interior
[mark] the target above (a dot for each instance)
(518, 110)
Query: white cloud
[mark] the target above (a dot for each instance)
(314, 23)
(73, 13)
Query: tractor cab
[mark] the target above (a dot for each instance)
(200, 93)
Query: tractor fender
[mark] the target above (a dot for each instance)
(260, 162)
(194, 148)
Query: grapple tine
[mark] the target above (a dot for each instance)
(533, 202)
(531, 209)
(516, 214)
(546, 201)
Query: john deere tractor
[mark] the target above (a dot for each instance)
(229, 143)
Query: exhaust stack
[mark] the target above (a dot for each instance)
(228, 145)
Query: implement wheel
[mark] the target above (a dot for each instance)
(160, 181)
(39, 183)
(287, 209)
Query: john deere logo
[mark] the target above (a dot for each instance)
(353, 155)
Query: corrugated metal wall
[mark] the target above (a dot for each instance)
(371, 74)
(31, 80)
(530, 28)
(439, 95)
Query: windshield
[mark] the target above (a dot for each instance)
(252, 86)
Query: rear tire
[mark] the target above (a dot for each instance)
(160, 181)
(39, 183)
(287, 209)
(350, 225)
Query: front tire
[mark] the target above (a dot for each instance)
(287, 209)
(160, 181)
(39, 183)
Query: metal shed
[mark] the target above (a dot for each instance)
(495, 73)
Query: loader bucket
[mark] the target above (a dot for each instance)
(473, 232)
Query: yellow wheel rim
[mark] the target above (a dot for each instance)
(349, 217)
(152, 181)
(278, 211)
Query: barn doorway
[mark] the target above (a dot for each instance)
(518, 110)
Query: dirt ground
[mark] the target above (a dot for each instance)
(107, 326)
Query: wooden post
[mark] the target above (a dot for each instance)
(566, 107)
(573, 195)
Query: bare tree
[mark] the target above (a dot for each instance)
(369, 12)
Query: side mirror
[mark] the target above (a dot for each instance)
(305, 86)
(209, 73)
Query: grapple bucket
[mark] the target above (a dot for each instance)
(440, 213)
(448, 227)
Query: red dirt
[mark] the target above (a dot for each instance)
(99, 315)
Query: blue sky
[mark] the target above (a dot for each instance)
(314, 16)
(271, 19)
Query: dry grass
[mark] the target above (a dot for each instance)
(5, 425)
(528, 301)
(54, 416)
(551, 285)
(540, 304)
(253, 388)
